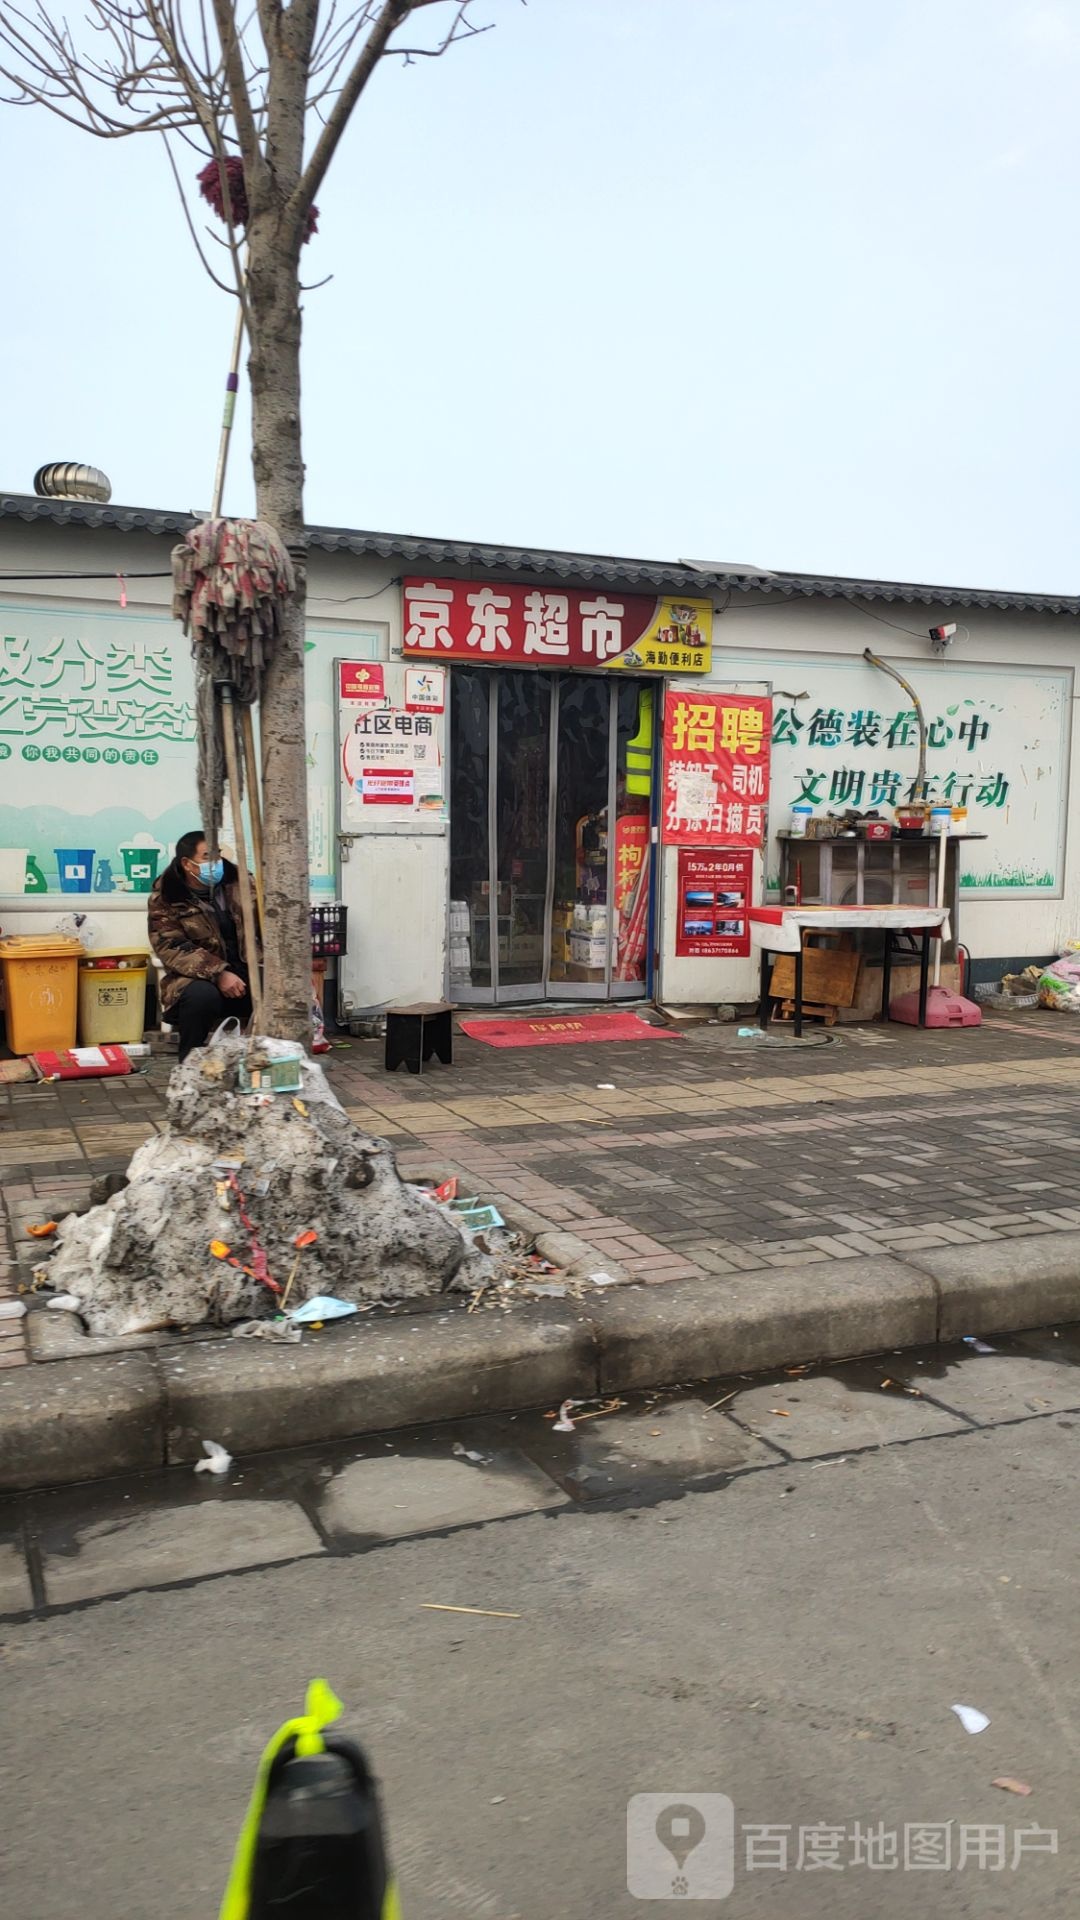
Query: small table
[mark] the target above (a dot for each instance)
(781, 929)
(413, 1034)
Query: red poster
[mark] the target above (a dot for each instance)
(362, 680)
(631, 847)
(714, 895)
(716, 769)
(498, 625)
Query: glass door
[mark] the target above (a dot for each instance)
(471, 716)
(523, 712)
(546, 901)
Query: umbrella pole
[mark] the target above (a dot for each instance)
(942, 865)
(247, 905)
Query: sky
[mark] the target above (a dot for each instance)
(788, 283)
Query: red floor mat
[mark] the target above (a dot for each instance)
(563, 1030)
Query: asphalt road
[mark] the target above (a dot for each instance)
(777, 1600)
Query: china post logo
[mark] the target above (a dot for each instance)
(680, 1846)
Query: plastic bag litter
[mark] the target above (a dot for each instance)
(1059, 987)
(12, 1309)
(977, 1346)
(322, 1307)
(564, 1424)
(315, 1088)
(475, 1215)
(277, 1330)
(603, 1280)
(218, 1458)
(65, 1302)
(971, 1719)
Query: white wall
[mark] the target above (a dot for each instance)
(354, 611)
(804, 646)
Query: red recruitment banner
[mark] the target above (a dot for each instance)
(713, 904)
(499, 625)
(716, 769)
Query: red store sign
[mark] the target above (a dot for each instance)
(498, 625)
(716, 769)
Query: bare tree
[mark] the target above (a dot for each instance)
(271, 86)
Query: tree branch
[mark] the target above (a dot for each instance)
(247, 132)
(231, 291)
(389, 18)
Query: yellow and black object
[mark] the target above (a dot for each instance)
(639, 748)
(311, 1847)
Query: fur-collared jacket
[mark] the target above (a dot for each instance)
(184, 932)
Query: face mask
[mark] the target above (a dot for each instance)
(211, 872)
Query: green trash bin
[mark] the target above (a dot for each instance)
(140, 866)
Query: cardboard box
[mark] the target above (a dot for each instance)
(587, 950)
(591, 920)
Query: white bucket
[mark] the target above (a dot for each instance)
(13, 869)
(800, 815)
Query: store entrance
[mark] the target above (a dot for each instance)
(545, 901)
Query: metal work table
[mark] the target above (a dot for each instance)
(845, 872)
(781, 930)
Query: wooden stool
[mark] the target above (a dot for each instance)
(413, 1034)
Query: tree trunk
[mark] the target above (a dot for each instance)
(277, 459)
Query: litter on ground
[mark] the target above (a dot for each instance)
(1009, 1785)
(280, 1331)
(323, 1306)
(489, 1613)
(218, 1458)
(971, 1719)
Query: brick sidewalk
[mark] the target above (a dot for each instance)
(697, 1155)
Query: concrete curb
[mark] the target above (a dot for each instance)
(68, 1420)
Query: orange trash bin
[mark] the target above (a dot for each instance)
(41, 991)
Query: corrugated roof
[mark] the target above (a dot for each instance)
(419, 552)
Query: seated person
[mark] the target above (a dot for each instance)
(196, 929)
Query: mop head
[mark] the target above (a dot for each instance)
(231, 580)
(210, 186)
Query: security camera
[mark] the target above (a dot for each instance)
(942, 637)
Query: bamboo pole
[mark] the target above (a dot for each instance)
(231, 385)
(228, 717)
(251, 767)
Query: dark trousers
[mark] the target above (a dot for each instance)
(200, 1010)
